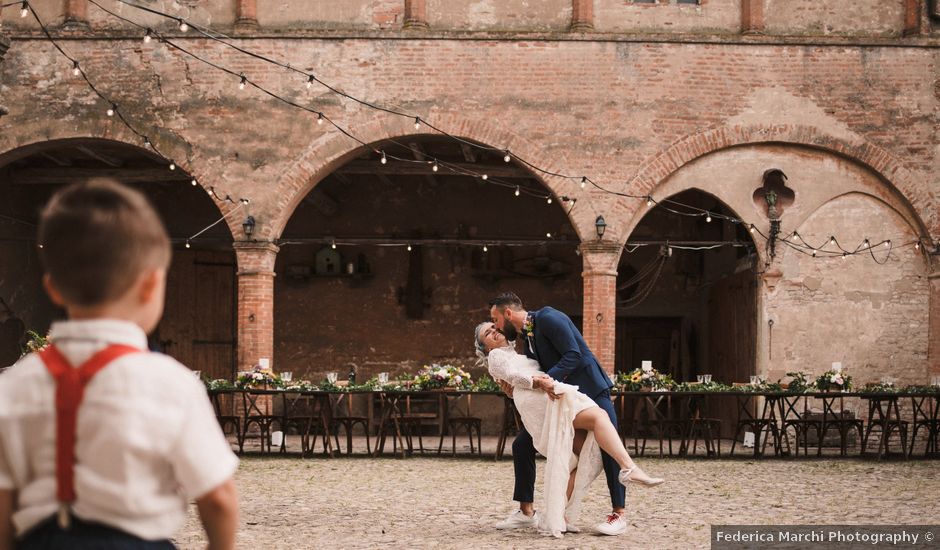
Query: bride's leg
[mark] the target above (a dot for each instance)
(597, 421)
(579, 437)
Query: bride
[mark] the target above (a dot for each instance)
(566, 426)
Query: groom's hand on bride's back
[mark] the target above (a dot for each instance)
(506, 387)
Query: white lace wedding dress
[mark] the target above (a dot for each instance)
(550, 425)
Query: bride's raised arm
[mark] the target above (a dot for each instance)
(502, 366)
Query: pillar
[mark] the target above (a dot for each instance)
(912, 16)
(582, 15)
(416, 14)
(255, 302)
(752, 16)
(4, 46)
(933, 334)
(76, 14)
(600, 260)
(246, 14)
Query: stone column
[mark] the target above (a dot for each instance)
(76, 15)
(246, 14)
(416, 14)
(600, 260)
(933, 331)
(752, 16)
(255, 302)
(582, 15)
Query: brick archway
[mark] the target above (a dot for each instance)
(324, 156)
(657, 170)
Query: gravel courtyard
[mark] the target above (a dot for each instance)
(451, 503)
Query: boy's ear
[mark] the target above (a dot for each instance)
(52, 291)
(150, 282)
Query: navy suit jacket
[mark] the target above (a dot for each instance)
(563, 354)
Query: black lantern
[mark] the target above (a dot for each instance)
(249, 226)
(600, 226)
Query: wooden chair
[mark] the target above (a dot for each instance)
(347, 422)
(259, 412)
(298, 414)
(226, 415)
(464, 420)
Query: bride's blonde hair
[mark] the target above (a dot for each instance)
(478, 345)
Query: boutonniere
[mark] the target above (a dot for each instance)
(529, 327)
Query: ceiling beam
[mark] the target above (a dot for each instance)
(114, 162)
(421, 169)
(61, 176)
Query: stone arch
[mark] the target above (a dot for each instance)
(15, 145)
(328, 153)
(892, 172)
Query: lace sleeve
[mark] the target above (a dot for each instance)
(502, 367)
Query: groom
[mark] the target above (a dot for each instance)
(550, 338)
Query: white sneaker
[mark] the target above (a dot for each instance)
(518, 520)
(616, 524)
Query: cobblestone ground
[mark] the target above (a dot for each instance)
(452, 503)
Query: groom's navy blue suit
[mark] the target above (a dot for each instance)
(564, 355)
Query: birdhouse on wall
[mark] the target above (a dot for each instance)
(328, 262)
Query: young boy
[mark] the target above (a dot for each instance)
(102, 442)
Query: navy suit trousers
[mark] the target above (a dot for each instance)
(523, 460)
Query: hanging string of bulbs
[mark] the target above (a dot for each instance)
(384, 156)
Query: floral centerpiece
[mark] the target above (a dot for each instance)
(258, 378)
(798, 382)
(218, 384)
(645, 378)
(834, 379)
(881, 387)
(442, 377)
(485, 383)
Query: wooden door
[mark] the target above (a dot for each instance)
(655, 339)
(198, 326)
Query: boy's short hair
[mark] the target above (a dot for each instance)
(507, 299)
(97, 237)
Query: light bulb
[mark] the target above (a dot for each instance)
(384, 160)
(147, 143)
(75, 70)
(549, 235)
(549, 200)
(583, 181)
(40, 246)
(25, 10)
(866, 244)
(147, 37)
(708, 218)
(241, 84)
(417, 123)
(888, 244)
(814, 252)
(485, 248)
(172, 166)
(506, 157)
(409, 248)
(485, 177)
(319, 119)
(844, 255)
(194, 182)
(183, 26)
(753, 229)
(649, 201)
(434, 167)
(832, 240)
(333, 245)
(310, 82)
(517, 191)
(917, 245)
(111, 109)
(187, 243)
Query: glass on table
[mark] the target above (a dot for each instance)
(935, 381)
(331, 377)
(383, 378)
(708, 378)
(700, 378)
(287, 376)
(755, 380)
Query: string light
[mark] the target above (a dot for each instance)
(333, 245)
(75, 70)
(917, 245)
(649, 200)
(148, 37)
(187, 243)
(484, 177)
(434, 167)
(309, 82)
(548, 235)
(506, 157)
(417, 123)
(708, 217)
(485, 248)
(111, 109)
(194, 182)
(583, 181)
(172, 166)
(814, 252)
(241, 84)
(319, 119)
(517, 191)
(832, 240)
(244, 201)
(24, 11)
(866, 244)
(384, 159)
(888, 243)
(147, 143)
(409, 248)
(183, 26)
(753, 229)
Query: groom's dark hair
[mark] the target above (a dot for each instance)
(507, 299)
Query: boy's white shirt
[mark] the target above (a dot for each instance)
(147, 439)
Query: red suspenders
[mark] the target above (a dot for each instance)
(69, 391)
